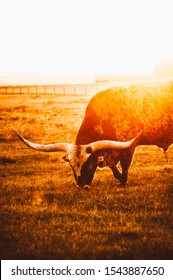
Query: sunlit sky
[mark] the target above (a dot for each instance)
(84, 37)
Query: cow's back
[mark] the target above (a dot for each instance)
(120, 113)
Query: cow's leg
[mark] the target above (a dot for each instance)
(116, 172)
(125, 161)
(112, 160)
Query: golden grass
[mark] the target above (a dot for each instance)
(44, 216)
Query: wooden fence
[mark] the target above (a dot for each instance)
(71, 89)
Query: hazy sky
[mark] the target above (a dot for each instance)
(84, 37)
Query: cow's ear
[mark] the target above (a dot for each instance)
(65, 158)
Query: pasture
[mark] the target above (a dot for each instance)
(42, 213)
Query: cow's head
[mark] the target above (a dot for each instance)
(83, 159)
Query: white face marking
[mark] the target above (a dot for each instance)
(77, 156)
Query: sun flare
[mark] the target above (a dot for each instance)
(84, 38)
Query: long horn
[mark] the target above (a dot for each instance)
(109, 144)
(45, 148)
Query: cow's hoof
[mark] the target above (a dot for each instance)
(122, 185)
(86, 187)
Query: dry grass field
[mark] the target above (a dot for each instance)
(42, 213)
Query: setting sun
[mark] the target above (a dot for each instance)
(83, 38)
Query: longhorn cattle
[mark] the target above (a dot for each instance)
(112, 117)
(119, 113)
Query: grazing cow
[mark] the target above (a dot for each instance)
(112, 117)
(119, 113)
